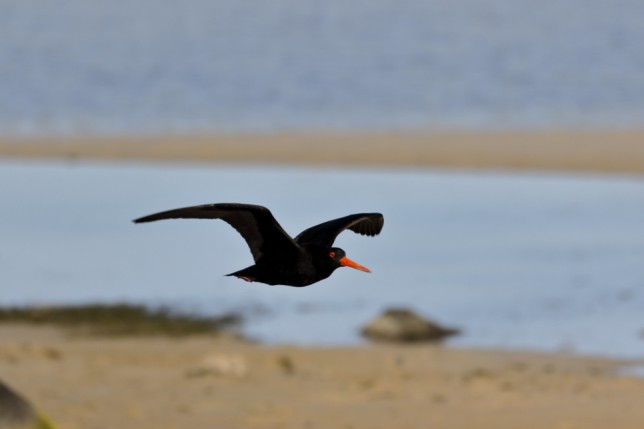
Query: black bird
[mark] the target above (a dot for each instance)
(280, 259)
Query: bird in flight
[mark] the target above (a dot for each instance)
(280, 259)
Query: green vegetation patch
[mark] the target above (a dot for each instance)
(120, 320)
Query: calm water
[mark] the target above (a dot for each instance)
(516, 260)
(76, 66)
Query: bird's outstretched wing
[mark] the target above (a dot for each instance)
(256, 225)
(325, 233)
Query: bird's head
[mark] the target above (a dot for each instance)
(339, 259)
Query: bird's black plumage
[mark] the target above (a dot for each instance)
(280, 259)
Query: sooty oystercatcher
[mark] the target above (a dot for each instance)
(280, 259)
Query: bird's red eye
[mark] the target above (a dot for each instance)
(332, 254)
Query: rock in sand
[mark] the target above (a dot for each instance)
(404, 326)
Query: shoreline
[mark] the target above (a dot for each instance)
(570, 151)
(153, 382)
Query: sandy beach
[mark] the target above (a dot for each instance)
(201, 382)
(594, 151)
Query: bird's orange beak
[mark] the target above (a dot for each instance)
(346, 262)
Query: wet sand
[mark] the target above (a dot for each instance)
(200, 382)
(596, 151)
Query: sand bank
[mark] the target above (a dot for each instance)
(599, 151)
(85, 383)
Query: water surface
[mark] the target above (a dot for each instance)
(137, 66)
(516, 260)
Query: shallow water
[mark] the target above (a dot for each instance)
(137, 66)
(516, 260)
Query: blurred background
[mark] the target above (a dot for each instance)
(215, 66)
(517, 259)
